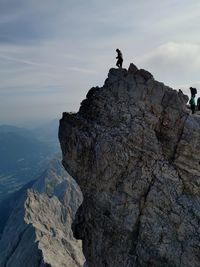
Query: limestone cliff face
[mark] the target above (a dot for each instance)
(134, 149)
(38, 232)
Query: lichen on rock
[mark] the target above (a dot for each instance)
(133, 148)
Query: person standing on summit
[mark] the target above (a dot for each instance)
(192, 104)
(119, 58)
(192, 100)
(198, 103)
(193, 91)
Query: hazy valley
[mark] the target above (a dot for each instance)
(24, 154)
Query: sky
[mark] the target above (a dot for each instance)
(52, 52)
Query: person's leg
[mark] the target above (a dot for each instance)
(193, 109)
(120, 63)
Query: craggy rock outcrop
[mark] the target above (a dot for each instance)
(134, 149)
(38, 232)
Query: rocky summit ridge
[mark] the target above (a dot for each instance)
(134, 149)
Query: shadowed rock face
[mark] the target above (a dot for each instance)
(134, 149)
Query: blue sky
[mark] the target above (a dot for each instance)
(52, 52)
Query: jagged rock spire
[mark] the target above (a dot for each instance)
(134, 150)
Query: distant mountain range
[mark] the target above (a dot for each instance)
(38, 200)
(36, 222)
(24, 154)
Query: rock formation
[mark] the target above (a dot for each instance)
(38, 232)
(134, 150)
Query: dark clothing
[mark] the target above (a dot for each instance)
(193, 91)
(120, 59)
(198, 103)
(119, 63)
(192, 104)
(192, 108)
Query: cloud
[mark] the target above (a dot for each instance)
(24, 61)
(179, 63)
(82, 70)
(70, 45)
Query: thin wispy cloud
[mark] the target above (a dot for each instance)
(82, 70)
(24, 61)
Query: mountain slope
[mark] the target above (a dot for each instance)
(38, 231)
(23, 156)
(8, 204)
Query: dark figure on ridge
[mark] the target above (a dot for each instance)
(193, 91)
(119, 58)
(192, 100)
(192, 104)
(198, 103)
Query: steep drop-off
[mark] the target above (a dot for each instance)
(134, 150)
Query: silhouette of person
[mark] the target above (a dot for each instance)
(119, 58)
(192, 104)
(193, 91)
(198, 103)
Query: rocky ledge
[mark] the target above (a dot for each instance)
(134, 150)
